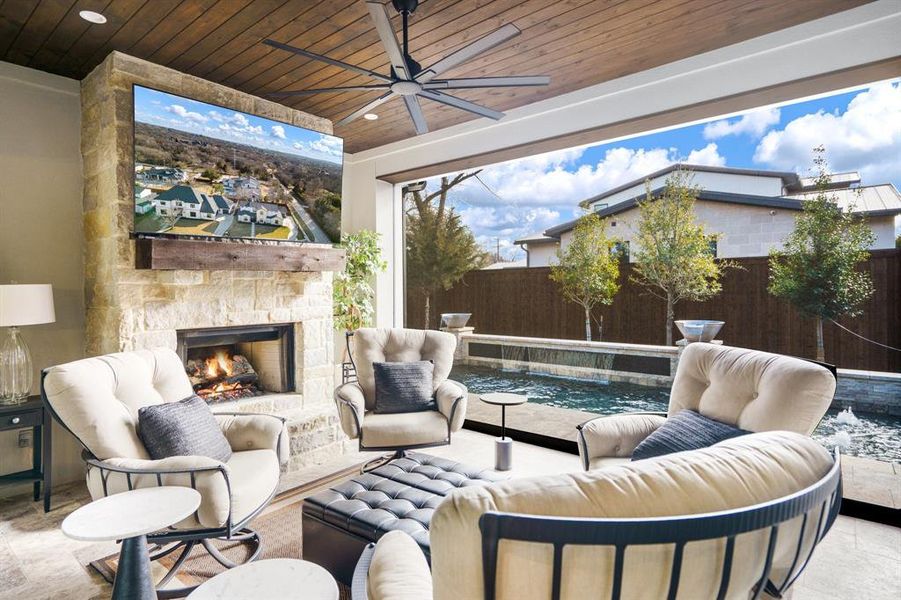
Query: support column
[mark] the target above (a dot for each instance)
(369, 203)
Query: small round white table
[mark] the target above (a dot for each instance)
(503, 446)
(129, 517)
(283, 578)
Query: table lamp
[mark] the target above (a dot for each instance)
(20, 305)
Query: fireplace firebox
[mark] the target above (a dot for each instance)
(230, 363)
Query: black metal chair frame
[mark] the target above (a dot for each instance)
(621, 533)
(349, 375)
(185, 539)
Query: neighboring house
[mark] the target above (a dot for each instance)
(185, 201)
(143, 200)
(264, 213)
(244, 188)
(752, 211)
(506, 264)
(161, 175)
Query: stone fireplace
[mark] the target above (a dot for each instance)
(278, 321)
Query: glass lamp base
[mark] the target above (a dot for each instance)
(15, 368)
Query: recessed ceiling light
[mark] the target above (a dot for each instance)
(370, 116)
(92, 17)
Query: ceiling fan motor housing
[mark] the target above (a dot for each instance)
(405, 6)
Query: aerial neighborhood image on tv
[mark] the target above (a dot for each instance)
(204, 170)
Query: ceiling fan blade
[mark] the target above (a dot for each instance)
(347, 88)
(365, 109)
(327, 60)
(487, 82)
(479, 46)
(462, 104)
(415, 111)
(386, 33)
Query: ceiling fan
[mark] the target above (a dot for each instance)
(408, 80)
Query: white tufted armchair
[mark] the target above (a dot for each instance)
(97, 400)
(753, 390)
(401, 431)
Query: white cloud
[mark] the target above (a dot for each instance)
(865, 138)
(328, 148)
(541, 191)
(239, 120)
(278, 131)
(753, 124)
(184, 113)
(708, 155)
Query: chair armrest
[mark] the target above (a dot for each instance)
(452, 397)
(351, 407)
(395, 567)
(255, 431)
(206, 475)
(615, 435)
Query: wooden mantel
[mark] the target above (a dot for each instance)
(191, 255)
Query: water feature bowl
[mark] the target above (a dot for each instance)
(455, 320)
(699, 330)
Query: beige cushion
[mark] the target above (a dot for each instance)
(400, 345)
(253, 476)
(750, 389)
(404, 429)
(732, 474)
(448, 395)
(351, 408)
(255, 432)
(398, 570)
(98, 398)
(618, 435)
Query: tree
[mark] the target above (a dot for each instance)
(210, 174)
(440, 248)
(587, 271)
(817, 268)
(673, 259)
(352, 292)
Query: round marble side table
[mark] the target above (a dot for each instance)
(283, 578)
(503, 446)
(129, 517)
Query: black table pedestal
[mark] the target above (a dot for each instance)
(133, 580)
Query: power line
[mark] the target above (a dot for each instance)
(864, 338)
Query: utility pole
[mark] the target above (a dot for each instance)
(497, 252)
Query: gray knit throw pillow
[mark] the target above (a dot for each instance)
(183, 428)
(403, 387)
(685, 430)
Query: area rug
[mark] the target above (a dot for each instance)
(279, 527)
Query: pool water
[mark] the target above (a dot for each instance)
(872, 436)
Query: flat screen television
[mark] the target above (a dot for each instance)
(205, 170)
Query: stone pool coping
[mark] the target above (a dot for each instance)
(865, 479)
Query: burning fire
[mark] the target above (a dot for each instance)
(219, 364)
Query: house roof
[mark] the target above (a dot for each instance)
(220, 202)
(789, 180)
(536, 238)
(874, 201)
(513, 264)
(185, 193)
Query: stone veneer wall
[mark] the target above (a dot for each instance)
(130, 309)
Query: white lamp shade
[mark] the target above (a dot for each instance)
(26, 304)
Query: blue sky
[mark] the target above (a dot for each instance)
(861, 130)
(176, 112)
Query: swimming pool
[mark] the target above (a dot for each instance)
(872, 436)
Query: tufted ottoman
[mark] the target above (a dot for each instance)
(402, 494)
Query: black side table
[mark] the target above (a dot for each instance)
(31, 413)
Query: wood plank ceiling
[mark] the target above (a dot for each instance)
(577, 42)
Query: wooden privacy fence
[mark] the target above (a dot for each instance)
(524, 302)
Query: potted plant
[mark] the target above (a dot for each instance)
(353, 292)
